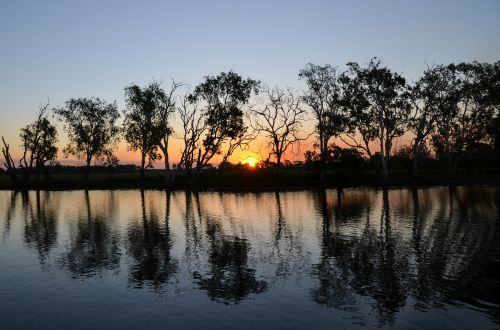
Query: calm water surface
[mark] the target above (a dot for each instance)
(347, 258)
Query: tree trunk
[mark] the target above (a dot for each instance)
(143, 163)
(167, 168)
(449, 160)
(414, 167)
(388, 147)
(87, 168)
(197, 169)
(9, 162)
(382, 157)
(164, 149)
(323, 150)
(278, 160)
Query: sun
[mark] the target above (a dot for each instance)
(250, 161)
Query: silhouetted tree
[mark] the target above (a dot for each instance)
(465, 124)
(91, 127)
(165, 112)
(38, 142)
(325, 97)
(281, 120)
(142, 128)
(490, 81)
(193, 127)
(242, 142)
(222, 98)
(430, 97)
(377, 98)
(8, 162)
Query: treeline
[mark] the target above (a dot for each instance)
(451, 114)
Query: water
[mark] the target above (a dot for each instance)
(309, 259)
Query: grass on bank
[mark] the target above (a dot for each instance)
(254, 179)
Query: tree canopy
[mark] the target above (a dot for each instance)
(91, 126)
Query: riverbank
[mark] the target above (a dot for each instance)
(255, 180)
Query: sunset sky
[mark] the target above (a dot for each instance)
(64, 49)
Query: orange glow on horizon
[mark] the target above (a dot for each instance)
(250, 161)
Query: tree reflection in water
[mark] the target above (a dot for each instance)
(285, 246)
(95, 247)
(40, 227)
(9, 214)
(149, 244)
(458, 261)
(229, 279)
(442, 264)
(365, 252)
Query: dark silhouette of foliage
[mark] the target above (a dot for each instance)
(465, 125)
(222, 99)
(490, 82)
(450, 115)
(432, 97)
(8, 162)
(143, 126)
(91, 127)
(325, 97)
(378, 101)
(39, 143)
(345, 158)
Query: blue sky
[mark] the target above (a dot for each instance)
(63, 49)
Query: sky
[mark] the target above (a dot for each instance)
(58, 50)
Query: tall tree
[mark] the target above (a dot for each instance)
(378, 101)
(465, 125)
(193, 128)
(222, 99)
(281, 119)
(490, 81)
(166, 111)
(91, 125)
(325, 97)
(39, 140)
(8, 162)
(142, 129)
(431, 97)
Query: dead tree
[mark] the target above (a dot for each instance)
(9, 162)
(166, 111)
(193, 128)
(280, 120)
(39, 139)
